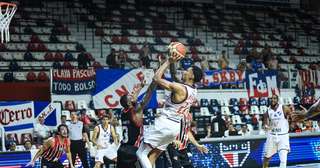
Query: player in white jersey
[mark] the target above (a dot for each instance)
(277, 126)
(177, 105)
(101, 139)
(305, 114)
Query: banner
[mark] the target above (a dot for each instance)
(73, 81)
(262, 84)
(16, 116)
(21, 116)
(111, 84)
(307, 77)
(218, 77)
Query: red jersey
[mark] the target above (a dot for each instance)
(54, 152)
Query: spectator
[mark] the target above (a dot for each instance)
(223, 61)
(83, 61)
(231, 131)
(186, 62)
(112, 59)
(28, 56)
(204, 64)
(12, 146)
(8, 77)
(68, 56)
(308, 126)
(85, 120)
(218, 126)
(56, 65)
(272, 63)
(294, 127)
(145, 55)
(27, 145)
(64, 120)
(244, 130)
(13, 66)
(123, 59)
(40, 131)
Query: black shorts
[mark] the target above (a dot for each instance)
(126, 156)
(179, 158)
(51, 164)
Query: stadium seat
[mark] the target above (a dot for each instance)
(235, 110)
(204, 111)
(253, 102)
(263, 109)
(225, 110)
(204, 102)
(81, 104)
(263, 101)
(214, 102)
(234, 102)
(224, 102)
(254, 110)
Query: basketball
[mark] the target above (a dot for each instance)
(178, 48)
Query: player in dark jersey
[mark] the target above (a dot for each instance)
(53, 148)
(132, 121)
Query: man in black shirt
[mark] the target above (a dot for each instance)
(132, 121)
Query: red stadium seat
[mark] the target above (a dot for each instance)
(31, 76)
(42, 76)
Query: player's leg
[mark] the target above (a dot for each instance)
(284, 148)
(270, 149)
(99, 158)
(283, 158)
(153, 155)
(142, 155)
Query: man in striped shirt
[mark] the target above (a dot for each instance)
(53, 148)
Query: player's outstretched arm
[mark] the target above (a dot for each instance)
(305, 114)
(45, 146)
(266, 121)
(173, 73)
(201, 148)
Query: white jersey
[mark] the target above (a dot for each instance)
(104, 136)
(178, 110)
(278, 122)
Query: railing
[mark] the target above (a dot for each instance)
(2, 136)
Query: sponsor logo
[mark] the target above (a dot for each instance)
(235, 154)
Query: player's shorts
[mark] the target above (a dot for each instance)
(162, 133)
(275, 143)
(110, 153)
(126, 156)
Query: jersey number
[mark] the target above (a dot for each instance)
(125, 134)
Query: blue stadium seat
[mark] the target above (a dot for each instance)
(214, 102)
(204, 102)
(234, 102)
(263, 101)
(296, 100)
(253, 101)
(235, 110)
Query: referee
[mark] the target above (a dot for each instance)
(78, 137)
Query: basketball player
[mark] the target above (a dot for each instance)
(167, 125)
(101, 139)
(178, 151)
(53, 148)
(305, 114)
(132, 123)
(277, 126)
